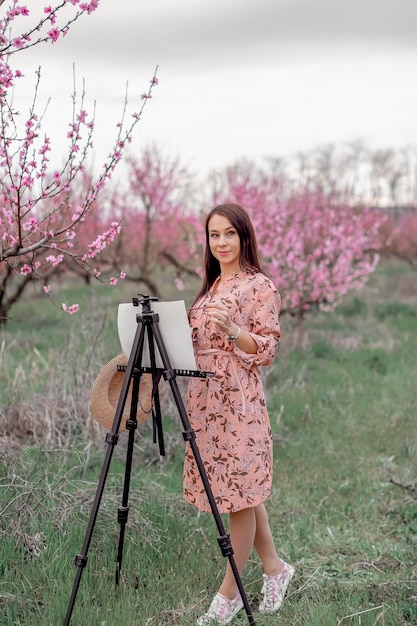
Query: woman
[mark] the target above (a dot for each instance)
(235, 329)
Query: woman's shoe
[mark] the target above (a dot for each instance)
(274, 589)
(221, 611)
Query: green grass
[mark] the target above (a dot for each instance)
(343, 508)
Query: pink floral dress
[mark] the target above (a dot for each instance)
(228, 411)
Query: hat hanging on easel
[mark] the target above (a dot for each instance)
(106, 392)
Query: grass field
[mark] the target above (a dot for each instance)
(344, 505)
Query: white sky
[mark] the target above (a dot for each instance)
(239, 78)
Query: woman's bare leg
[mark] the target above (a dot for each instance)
(242, 534)
(250, 528)
(264, 543)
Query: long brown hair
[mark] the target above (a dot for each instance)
(249, 259)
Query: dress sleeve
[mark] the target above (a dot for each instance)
(263, 310)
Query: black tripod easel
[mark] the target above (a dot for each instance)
(148, 326)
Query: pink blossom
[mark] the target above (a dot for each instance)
(25, 270)
(78, 211)
(46, 288)
(30, 224)
(46, 147)
(122, 275)
(17, 10)
(27, 181)
(113, 281)
(54, 260)
(18, 42)
(53, 34)
(179, 284)
(89, 7)
(82, 116)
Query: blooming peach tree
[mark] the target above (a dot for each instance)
(39, 219)
(399, 235)
(316, 247)
(158, 230)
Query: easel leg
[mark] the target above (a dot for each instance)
(81, 559)
(189, 435)
(123, 511)
(112, 438)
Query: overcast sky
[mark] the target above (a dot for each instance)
(241, 78)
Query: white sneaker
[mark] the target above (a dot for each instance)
(274, 589)
(221, 611)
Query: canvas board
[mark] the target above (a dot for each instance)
(175, 332)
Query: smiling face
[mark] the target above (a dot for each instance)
(224, 243)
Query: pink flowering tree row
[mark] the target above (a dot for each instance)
(40, 224)
(316, 246)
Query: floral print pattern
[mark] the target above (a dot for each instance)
(228, 411)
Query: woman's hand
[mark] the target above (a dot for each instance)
(219, 314)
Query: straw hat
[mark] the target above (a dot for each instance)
(106, 392)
